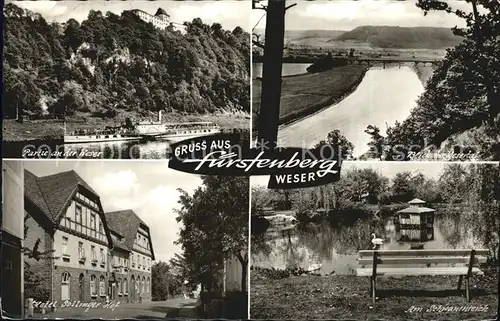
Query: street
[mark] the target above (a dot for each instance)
(173, 308)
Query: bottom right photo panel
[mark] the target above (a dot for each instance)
(389, 240)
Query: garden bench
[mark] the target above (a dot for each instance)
(461, 263)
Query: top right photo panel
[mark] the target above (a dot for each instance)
(378, 80)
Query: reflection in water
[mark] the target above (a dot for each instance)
(336, 248)
(286, 70)
(122, 150)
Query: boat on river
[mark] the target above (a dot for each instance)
(174, 132)
(107, 135)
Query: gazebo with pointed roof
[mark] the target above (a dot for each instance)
(416, 222)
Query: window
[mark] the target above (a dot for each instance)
(147, 285)
(100, 228)
(93, 253)
(78, 218)
(64, 245)
(125, 286)
(102, 290)
(92, 221)
(137, 285)
(93, 289)
(65, 283)
(81, 251)
(120, 286)
(143, 285)
(78, 214)
(102, 256)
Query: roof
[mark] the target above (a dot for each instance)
(160, 11)
(127, 223)
(416, 210)
(52, 193)
(416, 201)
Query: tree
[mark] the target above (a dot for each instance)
(481, 45)
(376, 143)
(33, 287)
(338, 143)
(215, 220)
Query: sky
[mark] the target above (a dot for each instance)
(347, 15)
(388, 169)
(229, 14)
(149, 188)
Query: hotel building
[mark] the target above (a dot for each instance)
(90, 255)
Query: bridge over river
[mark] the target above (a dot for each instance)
(309, 59)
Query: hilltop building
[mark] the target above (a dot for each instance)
(92, 255)
(161, 20)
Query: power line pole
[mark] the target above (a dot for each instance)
(271, 73)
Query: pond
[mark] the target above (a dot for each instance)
(336, 248)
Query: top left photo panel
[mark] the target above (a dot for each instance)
(122, 79)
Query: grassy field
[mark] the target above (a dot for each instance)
(303, 95)
(346, 297)
(225, 121)
(14, 131)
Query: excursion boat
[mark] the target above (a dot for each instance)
(100, 136)
(176, 131)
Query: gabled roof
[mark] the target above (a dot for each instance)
(127, 223)
(416, 210)
(51, 193)
(160, 11)
(416, 201)
(48, 197)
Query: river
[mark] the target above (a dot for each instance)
(336, 248)
(121, 150)
(287, 69)
(384, 96)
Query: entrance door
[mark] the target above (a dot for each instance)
(81, 285)
(65, 286)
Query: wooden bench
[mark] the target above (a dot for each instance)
(375, 263)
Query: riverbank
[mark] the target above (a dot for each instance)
(424, 72)
(347, 297)
(303, 95)
(226, 120)
(32, 130)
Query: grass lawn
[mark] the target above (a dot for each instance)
(14, 131)
(303, 95)
(347, 297)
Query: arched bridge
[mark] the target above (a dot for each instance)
(377, 61)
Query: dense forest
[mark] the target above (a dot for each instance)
(110, 64)
(459, 106)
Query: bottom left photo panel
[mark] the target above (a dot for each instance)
(122, 239)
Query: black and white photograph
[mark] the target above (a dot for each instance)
(389, 241)
(381, 80)
(123, 79)
(122, 239)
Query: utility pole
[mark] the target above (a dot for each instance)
(271, 73)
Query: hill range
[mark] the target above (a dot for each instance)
(376, 37)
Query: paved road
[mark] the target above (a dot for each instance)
(178, 307)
